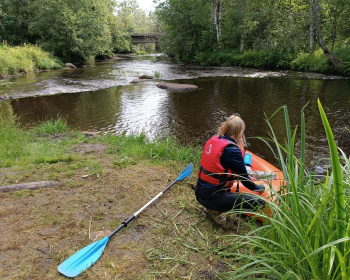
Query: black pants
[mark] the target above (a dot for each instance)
(223, 201)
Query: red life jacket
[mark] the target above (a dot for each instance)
(211, 170)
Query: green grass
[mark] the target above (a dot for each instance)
(21, 146)
(307, 236)
(25, 59)
(50, 141)
(51, 126)
(135, 147)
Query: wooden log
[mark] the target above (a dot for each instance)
(29, 186)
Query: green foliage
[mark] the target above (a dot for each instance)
(337, 183)
(143, 48)
(344, 57)
(15, 17)
(26, 59)
(317, 62)
(186, 27)
(312, 62)
(157, 74)
(140, 53)
(307, 235)
(121, 42)
(131, 19)
(258, 59)
(269, 33)
(75, 30)
(224, 58)
(124, 162)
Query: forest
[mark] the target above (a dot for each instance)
(75, 31)
(279, 34)
(303, 35)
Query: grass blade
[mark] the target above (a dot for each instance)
(337, 180)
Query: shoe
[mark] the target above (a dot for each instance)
(216, 216)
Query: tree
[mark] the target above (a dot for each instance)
(216, 16)
(334, 11)
(15, 17)
(130, 18)
(241, 48)
(187, 27)
(312, 30)
(316, 10)
(75, 30)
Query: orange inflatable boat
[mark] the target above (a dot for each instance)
(263, 173)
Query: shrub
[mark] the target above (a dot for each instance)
(257, 59)
(318, 62)
(315, 62)
(344, 56)
(25, 59)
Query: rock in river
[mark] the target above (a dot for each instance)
(176, 87)
(70, 65)
(136, 81)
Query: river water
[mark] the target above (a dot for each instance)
(102, 99)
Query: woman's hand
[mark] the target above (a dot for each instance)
(260, 188)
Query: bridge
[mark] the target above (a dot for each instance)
(145, 38)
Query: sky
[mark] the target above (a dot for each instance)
(146, 5)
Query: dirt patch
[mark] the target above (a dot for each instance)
(85, 148)
(171, 239)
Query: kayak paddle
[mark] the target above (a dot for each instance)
(87, 256)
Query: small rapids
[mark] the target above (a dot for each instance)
(120, 72)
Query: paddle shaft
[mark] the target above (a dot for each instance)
(126, 222)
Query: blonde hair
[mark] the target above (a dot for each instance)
(234, 127)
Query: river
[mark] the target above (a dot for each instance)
(102, 99)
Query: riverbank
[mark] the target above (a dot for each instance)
(25, 59)
(305, 62)
(103, 180)
(98, 181)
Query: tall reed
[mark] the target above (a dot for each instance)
(307, 235)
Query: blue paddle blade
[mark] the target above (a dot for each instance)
(186, 172)
(83, 259)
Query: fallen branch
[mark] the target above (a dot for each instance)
(29, 186)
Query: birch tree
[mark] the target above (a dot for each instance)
(216, 16)
(316, 10)
(312, 31)
(241, 49)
